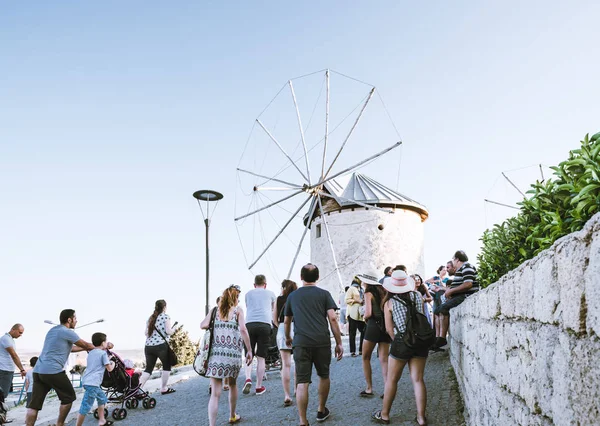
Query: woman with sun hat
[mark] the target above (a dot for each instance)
(401, 292)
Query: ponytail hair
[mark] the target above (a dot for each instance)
(159, 307)
(229, 299)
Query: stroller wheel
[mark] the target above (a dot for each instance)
(145, 403)
(134, 403)
(122, 414)
(96, 416)
(151, 403)
(127, 404)
(115, 413)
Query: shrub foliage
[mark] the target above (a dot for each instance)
(556, 207)
(183, 346)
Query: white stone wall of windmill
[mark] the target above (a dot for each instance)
(365, 238)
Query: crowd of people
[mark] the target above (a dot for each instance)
(303, 318)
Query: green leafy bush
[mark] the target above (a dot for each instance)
(555, 208)
(183, 346)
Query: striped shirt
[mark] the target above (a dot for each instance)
(466, 273)
(399, 310)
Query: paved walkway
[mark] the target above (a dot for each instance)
(187, 406)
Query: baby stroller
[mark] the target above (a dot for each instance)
(122, 387)
(273, 359)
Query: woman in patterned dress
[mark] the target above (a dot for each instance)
(225, 359)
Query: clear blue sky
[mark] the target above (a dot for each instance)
(113, 113)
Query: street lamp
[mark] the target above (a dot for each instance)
(207, 195)
(89, 323)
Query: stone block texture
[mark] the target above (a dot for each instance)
(526, 350)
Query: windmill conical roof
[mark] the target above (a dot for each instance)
(357, 187)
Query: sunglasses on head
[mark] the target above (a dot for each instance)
(236, 287)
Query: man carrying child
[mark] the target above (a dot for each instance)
(97, 362)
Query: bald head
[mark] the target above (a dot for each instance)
(309, 273)
(16, 331)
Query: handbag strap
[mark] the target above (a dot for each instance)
(161, 335)
(211, 327)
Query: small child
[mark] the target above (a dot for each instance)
(97, 362)
(29, 379)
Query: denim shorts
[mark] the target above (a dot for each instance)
(92, 393)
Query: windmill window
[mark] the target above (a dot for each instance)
(318, 230)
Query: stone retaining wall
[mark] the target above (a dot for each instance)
(526, 349)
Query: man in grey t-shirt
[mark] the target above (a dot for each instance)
(9, 358)
(49, 373)
(260, 303)
(311, 309)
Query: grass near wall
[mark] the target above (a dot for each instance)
(555, 207)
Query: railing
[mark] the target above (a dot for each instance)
(19, 387)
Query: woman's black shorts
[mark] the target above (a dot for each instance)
(399, 350)
(375, 333)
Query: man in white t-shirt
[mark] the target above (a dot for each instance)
(260, 303)
(9, 358)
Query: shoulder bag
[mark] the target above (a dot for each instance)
(201, 359)
(171, 356)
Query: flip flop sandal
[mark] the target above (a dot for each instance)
(108, 423)
(170, 390)
(287, 402)
(236, 419)
(365, 393)
(421, 424)
(376, 416)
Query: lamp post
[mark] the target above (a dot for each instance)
(208, 196)
(89, 323)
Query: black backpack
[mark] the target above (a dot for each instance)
(418, 334)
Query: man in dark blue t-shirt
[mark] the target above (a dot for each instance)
(311, 308)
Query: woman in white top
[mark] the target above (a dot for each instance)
(157, 347)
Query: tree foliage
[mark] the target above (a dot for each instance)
(183, 346)
(555, 207)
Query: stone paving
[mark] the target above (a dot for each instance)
(188, 406)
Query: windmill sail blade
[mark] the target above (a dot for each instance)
(311, 211)
(372, 157)
(267, 206)
(335, 264)
(301, 131)
(293, 185)
(280, 232)
(351, 130)
(326, 127)
(281, 149)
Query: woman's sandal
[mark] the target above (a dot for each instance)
(287, 402)
(236, 419)
(421, 424)
(108, 423)
(365, 393)
(376, 416)
(169, 390)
